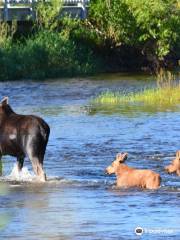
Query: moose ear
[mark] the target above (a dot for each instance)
(121, 157)
(5, 101)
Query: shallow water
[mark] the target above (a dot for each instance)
(79, 201)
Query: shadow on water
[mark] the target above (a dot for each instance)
(130, 110)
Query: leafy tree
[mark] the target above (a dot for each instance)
(158, 22)
(47, 14)
(152, 26)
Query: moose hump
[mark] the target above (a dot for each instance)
(23, 135)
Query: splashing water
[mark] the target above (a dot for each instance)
(24, 175)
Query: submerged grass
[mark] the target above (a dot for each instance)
(157, 96)
(164, 97)
(167, 93)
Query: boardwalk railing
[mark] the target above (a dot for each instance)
(21, 10)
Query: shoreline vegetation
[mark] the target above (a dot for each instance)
(155, 96)
(164, 95)
(118, 35)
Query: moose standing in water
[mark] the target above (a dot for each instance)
(23, 135)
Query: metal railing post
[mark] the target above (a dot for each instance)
(82, 4)
(6, 15)
(32, 2)
(84, 9)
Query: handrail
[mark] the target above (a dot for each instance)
(17, 4)
(30, 1)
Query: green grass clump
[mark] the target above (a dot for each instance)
(161, 96)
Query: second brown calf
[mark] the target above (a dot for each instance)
(131, 177)
(174, 167)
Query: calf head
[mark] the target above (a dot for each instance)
(120, 158)
(176, 161)
(175, 165)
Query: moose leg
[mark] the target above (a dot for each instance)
(35, 150)
(38, 168)
(37, 164)
(20, 162)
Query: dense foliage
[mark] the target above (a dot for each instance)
(49, 52)
(151, 26)
(118, 35)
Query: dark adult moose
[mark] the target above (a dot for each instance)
(23, 135)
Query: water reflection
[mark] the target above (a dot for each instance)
(130, 110)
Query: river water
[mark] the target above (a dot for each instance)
(80, 202)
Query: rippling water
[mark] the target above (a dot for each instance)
(79, 201)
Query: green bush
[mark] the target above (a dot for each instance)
(118, 35)
(152, 26)
(47, 14)
(47, 54)
(55, 49)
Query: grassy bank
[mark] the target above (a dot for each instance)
(165, 94)
(159, 96)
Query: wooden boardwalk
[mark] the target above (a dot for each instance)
(23, 10)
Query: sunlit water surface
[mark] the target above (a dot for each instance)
(79, 201)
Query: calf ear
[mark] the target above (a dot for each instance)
(178, 154)
(124, 156)
(5, 101)
(121, 157)
(118, 157)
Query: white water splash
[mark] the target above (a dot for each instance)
(24, 175)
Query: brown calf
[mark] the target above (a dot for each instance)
(174, 167)
(130, 177)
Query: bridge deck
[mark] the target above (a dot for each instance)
(22, 10)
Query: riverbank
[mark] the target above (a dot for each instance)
(163, 94)
(167, 96)
(48, 54)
